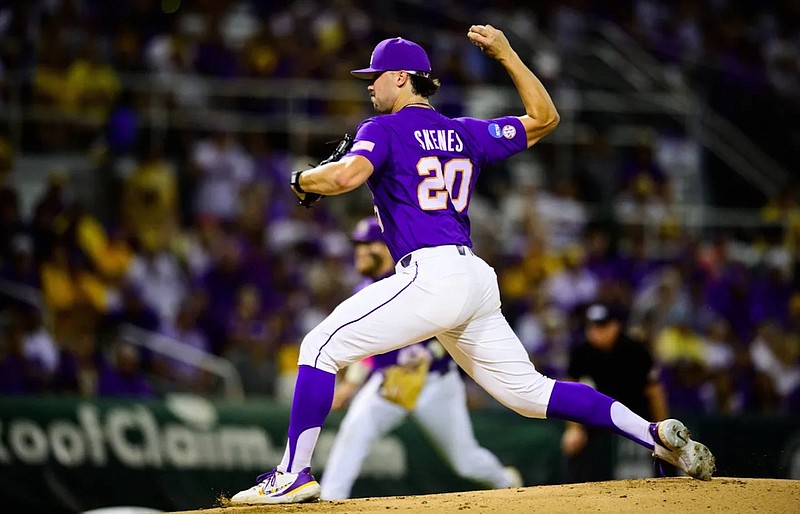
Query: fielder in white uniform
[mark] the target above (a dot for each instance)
(421, 167)
(440, 407)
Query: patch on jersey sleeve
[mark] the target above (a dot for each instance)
(367, 146)
(494, 131)
(509, 131)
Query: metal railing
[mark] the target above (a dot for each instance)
(158, 343)
(721, 137)
(195, 357)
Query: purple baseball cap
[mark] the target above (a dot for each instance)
(395, 54)
(367, 231)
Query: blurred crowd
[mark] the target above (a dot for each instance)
(201, 246)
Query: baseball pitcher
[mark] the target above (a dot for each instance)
(421, 167)
(420, 380)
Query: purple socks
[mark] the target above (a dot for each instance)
(572, 401)
(313, 396)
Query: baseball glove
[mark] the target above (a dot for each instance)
(342, 147)
(403, 383)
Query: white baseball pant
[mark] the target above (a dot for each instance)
(442, 292)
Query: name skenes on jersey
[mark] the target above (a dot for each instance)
(446, 140)
(426, 166)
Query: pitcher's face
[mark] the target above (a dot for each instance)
(383, 91)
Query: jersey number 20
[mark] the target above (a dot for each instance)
(442, 182)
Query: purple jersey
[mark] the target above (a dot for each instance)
(426, 166)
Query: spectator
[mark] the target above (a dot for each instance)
(251, 344)
(37, 343)
(597, 170)
(170, 56)
(529, 325)
(682, 351)
(271, 166)
(678, 341)
(769, 295)
(196, 247)
(79, 365)
(776, 358)
(660, 295)
(123, 125)
(574, 285)
(91, 85)
(636, 263)
(88, 242)
(562, 216)
(21, 370)
(179, 375)
(160, 280)
(222, 168)
(132, 310)
(72, 292)
(551, 355)
(213, 57)
(19, 275)
(219, 286)
(123, 376)
(48, 206)
(600, 258)
(640, 168)
(638, 207)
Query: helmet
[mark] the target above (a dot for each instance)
(367, 231)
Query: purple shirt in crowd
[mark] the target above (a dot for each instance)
(425, 168)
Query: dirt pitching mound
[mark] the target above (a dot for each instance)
(668, 495)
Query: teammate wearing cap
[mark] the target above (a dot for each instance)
(616, 365)
(439, 405)
(421, 168)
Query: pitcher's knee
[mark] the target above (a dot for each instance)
(315, 352)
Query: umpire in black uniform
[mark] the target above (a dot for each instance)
(620, 367)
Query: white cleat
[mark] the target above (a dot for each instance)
(279, 487)
(674, 445)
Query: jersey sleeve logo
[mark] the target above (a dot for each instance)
(494, 131)
(367, 146)
(509, 131)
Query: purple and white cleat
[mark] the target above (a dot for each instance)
(279, 487)
(674, 445)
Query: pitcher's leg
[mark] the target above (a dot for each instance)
(375, 320)
(572, 401)
(368, 418)
(442, 413)
(491, 353)
(313, 397)
(379, 318)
